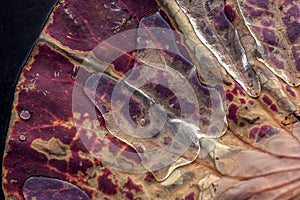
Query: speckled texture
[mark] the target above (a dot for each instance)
(71, 145)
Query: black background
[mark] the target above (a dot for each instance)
(21, 22)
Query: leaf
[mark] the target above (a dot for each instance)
(217, 33)
(57, 132)
(141, 109)
(276, 27)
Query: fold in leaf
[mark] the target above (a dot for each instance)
(155, 109)
(268, 80)
(275, 26)
(182, 82)
(162, 147)
(217, 33)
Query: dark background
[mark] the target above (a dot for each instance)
(21, 22)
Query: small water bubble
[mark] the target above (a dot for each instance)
(115, 7)
(74, 73)
(69, 13)
(22, 87)
(22, 137)
(56, 74)
(142, 121)
(13, 181)
(25, 114)
(46, 92)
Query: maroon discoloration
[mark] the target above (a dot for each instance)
(77, 164)
(197, 85)
(105, 184)
(175, 103)
(259, 3)
(257, 13)
(208, 103)
(232, 111)
(267, 22)
(205, 121)
(296, 55)
(274, 108)
(291, 20)
(253, 132)
(215, 102)
(115, 145)
(253, 12)
(81, 30)
(264, 23)
(251, 102)
(49, 104)
(238, 89)
(290, 90)
(221, 21)
(214, 129)
(164, 91)
(287, 2)
(25, 170)
(275, 61)
(270, 37)
(293, 12)
(267, 100)
(123, 64)
(229, 96)
(243, 101)
(167, 140)
(230, 13)
(149, 177)
(293, 32)
(187, 107)
(130, 187)
(61, 165)
(264, 131)
(190, 196)
(131, 154)
(46, 63)
(134, 108)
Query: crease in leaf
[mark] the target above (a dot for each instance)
(276, 29)
(156, 109)
(216, 32)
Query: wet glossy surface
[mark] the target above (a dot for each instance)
(40, 188)
(96, 114)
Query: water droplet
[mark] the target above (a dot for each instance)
(69, 13)
(142, 121)
(22, 137)
(56, 74)
(25, 114)
(75, 72)
(115, 7)
(13, 181)
(46, 92)
(51, 188)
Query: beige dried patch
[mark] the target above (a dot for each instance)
(53, 149)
